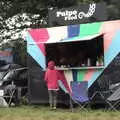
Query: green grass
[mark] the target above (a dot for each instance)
(44, 113)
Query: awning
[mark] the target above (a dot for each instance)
(78, 38)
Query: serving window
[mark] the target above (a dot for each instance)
(76, 54)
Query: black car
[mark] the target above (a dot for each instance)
(13, 79)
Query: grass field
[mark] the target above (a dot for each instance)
(44, 113)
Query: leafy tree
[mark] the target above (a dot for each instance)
(18, 15)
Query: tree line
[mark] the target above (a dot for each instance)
(16, 16)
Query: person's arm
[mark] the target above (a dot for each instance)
(46, 77)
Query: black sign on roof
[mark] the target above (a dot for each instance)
(84, 13)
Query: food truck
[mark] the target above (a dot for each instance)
(83, 52)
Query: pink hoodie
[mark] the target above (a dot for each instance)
(52, 76)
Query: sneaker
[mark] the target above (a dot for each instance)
(54, 108)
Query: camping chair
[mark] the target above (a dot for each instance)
(102, 91)
(114, 100)
(10, 94)
(105, 90)
(80, 94)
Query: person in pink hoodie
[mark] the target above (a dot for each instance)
(51, 79)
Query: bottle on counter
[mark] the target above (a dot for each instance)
(88, 62)
(99, 61)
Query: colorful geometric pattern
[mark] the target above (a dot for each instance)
(111, 34)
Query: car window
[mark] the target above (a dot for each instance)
(9, 75)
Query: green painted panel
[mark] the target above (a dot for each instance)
(80, 75)
(89, 29)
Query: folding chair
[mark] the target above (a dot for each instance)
(80, 94)
(114, 100)
(105, 91)
(101, 90)
(10, 94)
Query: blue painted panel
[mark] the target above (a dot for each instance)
(73, 30)
(35, 52)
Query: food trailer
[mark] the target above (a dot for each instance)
(83, 52)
